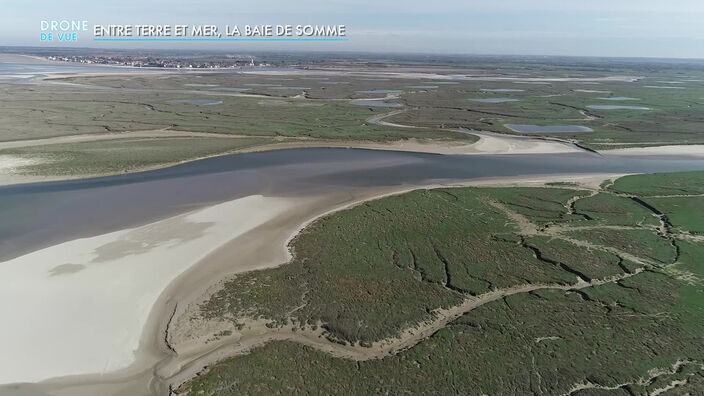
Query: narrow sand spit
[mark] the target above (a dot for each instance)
(92, 137)
(19, 58)
(496, 143)
(488, 143)
(97, 292)
(694, 150)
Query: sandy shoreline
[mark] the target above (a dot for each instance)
(689, 151)
(30, 59)
(97, 292)
(93, 137)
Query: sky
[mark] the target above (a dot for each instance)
(632, 28)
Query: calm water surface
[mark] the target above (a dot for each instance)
(375, 103)
(43, 214)
(617, 107)
(527, 128)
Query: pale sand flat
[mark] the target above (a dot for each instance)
(694, 150)
(101, 305)
(10, 163)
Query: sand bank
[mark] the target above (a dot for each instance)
(97, 292)
(19, 58)
(488, 143)
(93, 137)
(694, 151)
(496, 143)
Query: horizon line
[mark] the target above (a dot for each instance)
(344, 51)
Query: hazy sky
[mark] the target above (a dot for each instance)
(654, 28)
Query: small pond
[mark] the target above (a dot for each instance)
(375, 103)
(527, 128)
(617, 107)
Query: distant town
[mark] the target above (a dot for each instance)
(231, 62)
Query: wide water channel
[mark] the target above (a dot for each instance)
(43, 214)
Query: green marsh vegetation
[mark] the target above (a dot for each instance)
(124, 155)
(616, 298)
(55, 111)
(544, 96)
(316, 105)
(675, 115)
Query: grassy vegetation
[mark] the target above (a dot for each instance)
(588, 264)
(682, 183)
(679, 197)
(541, 205)
(675, 115)
(54, 110)
(685, 214)
(317, 105)
(123, 155)
(558, 97)
(368, 272)
(57, 110)
(499, 348)
(615, 210)
(641, 243)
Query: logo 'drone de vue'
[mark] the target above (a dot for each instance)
(61, 30)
